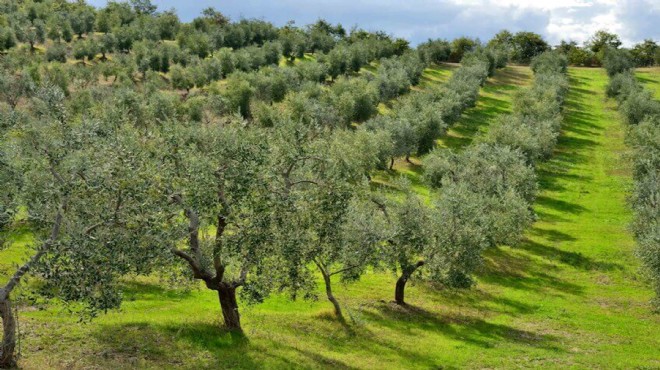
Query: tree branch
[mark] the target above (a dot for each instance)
(242, 278)
(54, 234)
(344, 269)
(303, 182)
(198, 271)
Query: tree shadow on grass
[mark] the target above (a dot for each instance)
(168, 345)
(519, 271)
(552, 175)
(550, 217)
(560, 205)
(644, 79)
(574, 259)
(145, 291)
(511, 76)
(204, 345)
(473, 299)
(473, 121)
(464, 328)
(552, 235)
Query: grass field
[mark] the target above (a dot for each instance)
(650, 78)
(569, 297)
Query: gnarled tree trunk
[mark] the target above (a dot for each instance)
(229, 305)
(8, 343)
(399, 291)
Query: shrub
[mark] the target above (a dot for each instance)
(56, 53)
(617, 61)
(639, 105)
(621, 85)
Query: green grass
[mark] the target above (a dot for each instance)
(569, 297)
(650, 78)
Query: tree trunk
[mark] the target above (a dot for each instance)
(408, 158)
(9, 335)
(331, 297)
(229, 305)
(391, 163)
(399, 291)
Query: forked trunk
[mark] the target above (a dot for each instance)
(331, 297)
(229, 305)
(8, 344)
(399, 291)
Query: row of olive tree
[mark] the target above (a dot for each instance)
(642, 113)
(497, 177)
(120, 195)
(304, 92)
(419, 118)
(594, 50)
(534, 126)
(413, 234)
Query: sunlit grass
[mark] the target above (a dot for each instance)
(650, 78)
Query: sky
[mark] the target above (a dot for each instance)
(419, 20)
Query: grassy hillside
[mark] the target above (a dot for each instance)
(570, 296)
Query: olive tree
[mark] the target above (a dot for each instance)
(501, 176)
(211, 177)
(324, 216)
(82, 20)
(14, 87)
(66, 174)
(616, 61)
(643, 139)
(107, 44)
(434, 51)
(181, 78)
(411, 240)
(402, 135)
(461, 236)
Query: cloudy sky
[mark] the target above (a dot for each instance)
(418, 20)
